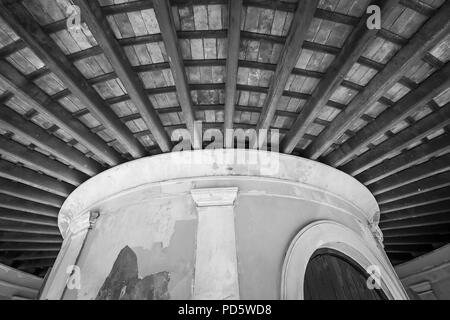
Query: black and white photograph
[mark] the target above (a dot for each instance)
(224, 154)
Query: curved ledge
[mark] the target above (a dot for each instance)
(219, 162)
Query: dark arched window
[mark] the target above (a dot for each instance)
(331, 275)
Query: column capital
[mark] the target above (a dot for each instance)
(214, 196)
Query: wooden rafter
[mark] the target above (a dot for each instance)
(234, 38)
(26, 217)
(426, 38)
(27, 206)
(354, 46)
(46, 49)
(405, 160)
(405, 107)
(34, 96)
(403, 139)
(14, 122)
(288, 58)
(29, 193)
(18, 237)
(164, 16)
(104, 35)
(39, 162)
(29, 177)
(21, 227)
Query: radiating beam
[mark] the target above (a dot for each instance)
(34, 238)
(417, 200)
(22, 191)
(354, 47)
(415, 249)
(11, 226)
(301, 21)
(163, 12)
(24, 25)
(434, 220)
(7, 246)
(418, 231)
(233, 44)
(102, 32)
(435, 29)
(410, 175)
(416, 212)
(27, 217)
(41, 263)
(27, 256)
(419, 187)
(396, 143)
(40, 101)
(27, 206)
(14, 122)
(406, 159)
(405, 107)
(29, 177)
(426, 239)
(40, 162)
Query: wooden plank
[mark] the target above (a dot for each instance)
(5, 246)
(336, 72)
(22, 191)
(406, 106)
(40, 101)
(13, 203)
(40, 162)
(420, 211)
(436, 220)
(427, 239)
(104, 35)
(234, 38)
(14, 122)
(424, 40)
(27, 217)
(425, 185)
(303, 17)
(46, 49)
(408, 176)
(417, 200)
(164, 16)
(405, 160)
(29, 256)
(41, 263)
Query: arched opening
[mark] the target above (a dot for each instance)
(331, 275)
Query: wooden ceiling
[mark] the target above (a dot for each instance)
(373, 103)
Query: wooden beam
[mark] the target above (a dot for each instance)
(24, 25)
(233, 44)
(31, 178)
(102, 32)
(13, 256)
(437, 219)
(25, 192)
(419, 211)
(435, 29)
(425, 198)
(396, 143)
(21, 227)
(14, 122)
(27, 217)
(35, 238)
(6, 246)
(410, 175)
(8, 202)
(40, 101)
(41, 263)
(354, 47)
(416, 250)
(39, 162)
(405, 160)
(303, 17)
(418, 231)
(405, 107)
(428, 239)
(425, 185)
(163, 12)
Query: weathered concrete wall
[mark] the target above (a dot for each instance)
(144, 243)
